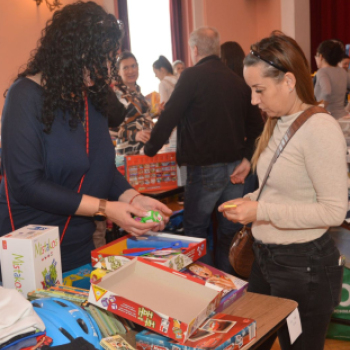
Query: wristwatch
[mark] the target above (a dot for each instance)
(101, 214)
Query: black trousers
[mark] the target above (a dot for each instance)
(308, 273)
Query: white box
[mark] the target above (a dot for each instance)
(30, 258)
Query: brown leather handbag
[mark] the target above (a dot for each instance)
(241, 255)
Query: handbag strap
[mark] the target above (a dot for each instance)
(303, 117)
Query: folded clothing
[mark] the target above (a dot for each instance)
(17, 315)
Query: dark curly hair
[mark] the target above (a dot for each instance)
(332, 51)
(81, 36)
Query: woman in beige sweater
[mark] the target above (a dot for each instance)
(305, 194)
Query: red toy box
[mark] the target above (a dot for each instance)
(222, 332)
(156, 297)
(111, 256)
(149, 174)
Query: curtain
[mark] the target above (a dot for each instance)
(329, 20)
(123, 16)
(176, 30)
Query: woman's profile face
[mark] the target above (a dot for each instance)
(129, 71)
(158, 73)
(271, 96)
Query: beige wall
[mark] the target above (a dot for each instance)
(244, 21)
(20, 24)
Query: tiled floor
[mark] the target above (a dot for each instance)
(330, 345)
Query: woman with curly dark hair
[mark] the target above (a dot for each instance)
(57, 156)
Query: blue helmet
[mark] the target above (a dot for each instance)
(65, 321)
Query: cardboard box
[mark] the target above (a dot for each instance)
(156, 297)
(31, 258)
(221, 332)
(111, 257)
(232, 287)
(149, 174)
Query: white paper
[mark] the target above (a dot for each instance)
(294, 325)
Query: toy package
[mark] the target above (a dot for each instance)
(74, 294)
(232, 287)
(221, 332)
(173, 251)
(149, 174)
(79, 277)
(115, 342)
(31, 258)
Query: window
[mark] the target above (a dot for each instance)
(150, 36)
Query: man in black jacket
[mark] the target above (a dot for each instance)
(216, 131)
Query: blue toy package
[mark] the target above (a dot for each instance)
(79, 277)
(154, 242)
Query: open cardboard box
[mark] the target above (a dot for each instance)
(111, 257)
(159, 298)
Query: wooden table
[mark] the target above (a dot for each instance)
(269, 312)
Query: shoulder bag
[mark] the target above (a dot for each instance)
(241, 255)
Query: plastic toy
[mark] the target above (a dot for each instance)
(152, 216)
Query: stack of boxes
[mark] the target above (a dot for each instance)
(180, 308)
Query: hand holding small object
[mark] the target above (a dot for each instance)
(241, 210)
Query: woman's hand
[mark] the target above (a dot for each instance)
(146, 203)
(121, 214)
(244, 210)
(143, 136)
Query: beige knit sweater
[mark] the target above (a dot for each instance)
(307, 189)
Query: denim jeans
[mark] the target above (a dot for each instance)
(308, 273)
(207, 187)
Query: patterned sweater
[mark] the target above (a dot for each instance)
(137, 118)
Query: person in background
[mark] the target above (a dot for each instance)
(164, 72)
(233, 55)
(295, 256)
(344, 63)
(57, 155)
(178, 68)
(135, 130)
(332, 82)
(216, 131)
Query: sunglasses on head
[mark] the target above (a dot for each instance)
(256, 54)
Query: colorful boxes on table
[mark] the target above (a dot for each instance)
(111, 255)
(158, 298)
(221, 332)
(232, 287)
(149, 174)
(30, 258)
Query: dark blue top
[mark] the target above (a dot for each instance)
(44, 170)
